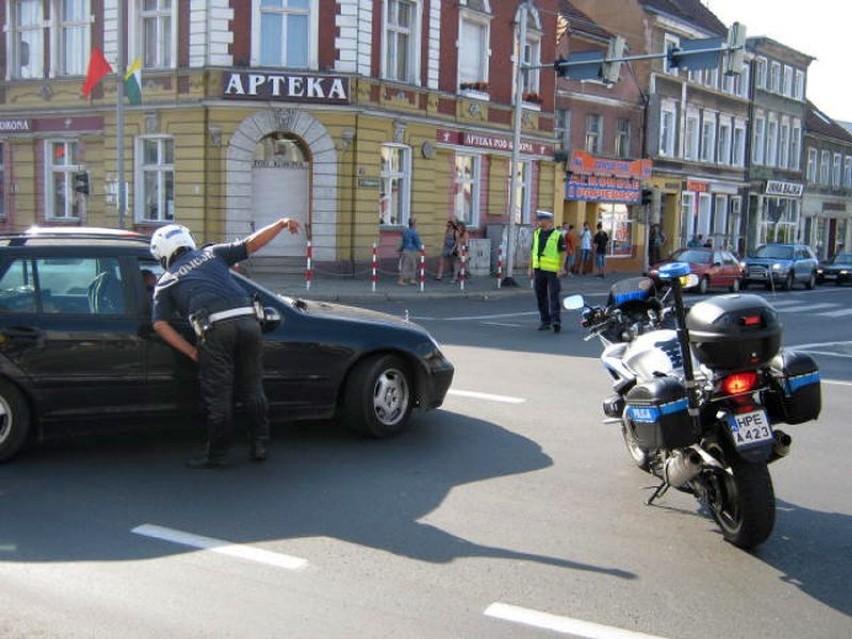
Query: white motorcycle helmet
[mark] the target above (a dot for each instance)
(166, 241)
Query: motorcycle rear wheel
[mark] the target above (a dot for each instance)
(742, 502)
(641, 457)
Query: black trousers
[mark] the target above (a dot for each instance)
(230, 366)
(547, 288)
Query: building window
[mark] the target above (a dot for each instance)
(401, 41)
(784, 145)
(725, 143)
(760, 73)
(62, 161)
(799, 86)
(74, 35)
(690, 142)
(667, 129)
(847, 172)
(466, 195)
(532, 58)
(155, 179)
(772, 142)
(708, 137)
(594, 133)
(473, 48)
(154, 38)
(759, 142)
(796, 145)
(739, 143)
(623, 131)
(615, 220)
(285, 33)
(836, 174)
(522, 200)
(743, 81)
(788, 81)
(395, 176)
(825, 167)
(562, 129)
(775, 77)
(810, 170)
(687, 226)
(26, 35)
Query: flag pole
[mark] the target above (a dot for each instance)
(121, 63)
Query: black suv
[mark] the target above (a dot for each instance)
(781, 265)
(77, 346)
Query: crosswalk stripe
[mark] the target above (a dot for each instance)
(806, 307)
(841, 313)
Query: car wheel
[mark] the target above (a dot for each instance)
(789, 281)
(704, 285)
(811, 283)
(379, 396)
(735, 286)
(14, 420)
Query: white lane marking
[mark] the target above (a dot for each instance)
(505, 399)
(840, 313)
(563, 625)
(501, 324)
(472, 318)
(806, 307)
(221, 546)
(836, 382)
(818, 349)
(785, 302)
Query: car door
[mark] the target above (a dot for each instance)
(69, 334)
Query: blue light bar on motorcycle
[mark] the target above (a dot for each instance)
(674, 270)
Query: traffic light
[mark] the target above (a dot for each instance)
(612, 65)
(736, 49)
(81, 182)
(695, 54)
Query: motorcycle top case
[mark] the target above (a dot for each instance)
(794, 395)
(734, 332)
(658, 413)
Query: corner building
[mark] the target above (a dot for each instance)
(351, 116)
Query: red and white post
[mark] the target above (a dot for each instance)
(374, 270)
(422, 267)
(309, 271)
(500, 266)
(463, 266)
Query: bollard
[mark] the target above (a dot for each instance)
(374, 272)
(500, 266)
(309, 273)
(463, 267)
(422, 267)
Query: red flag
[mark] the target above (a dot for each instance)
(98, 68)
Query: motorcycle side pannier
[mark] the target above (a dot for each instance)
(794, 394)
(657, 410)
(734, 332)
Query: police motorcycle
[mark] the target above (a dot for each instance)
(699, 393)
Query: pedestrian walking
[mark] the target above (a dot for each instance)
(547, 265)
(600, 241)
(447, 251)
(409, 250)
(656, 240)
(585, 249)
(198, 286)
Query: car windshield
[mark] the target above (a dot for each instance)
(695, 257)
(775, 252)
(841, 258)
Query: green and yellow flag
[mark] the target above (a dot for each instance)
(133, 82)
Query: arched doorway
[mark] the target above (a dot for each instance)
(294, 134)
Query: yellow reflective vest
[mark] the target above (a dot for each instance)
(550, 259)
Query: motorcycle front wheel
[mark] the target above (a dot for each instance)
(740, 497)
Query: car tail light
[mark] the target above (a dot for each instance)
(739, 383)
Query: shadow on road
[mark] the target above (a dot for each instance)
(78, 500)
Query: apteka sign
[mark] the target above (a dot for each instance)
(285, 87)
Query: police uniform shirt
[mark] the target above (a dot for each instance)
(201, 279)
(543, 236)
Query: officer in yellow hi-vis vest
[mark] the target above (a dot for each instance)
(546, 267)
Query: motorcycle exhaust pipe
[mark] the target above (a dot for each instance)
(781, 445)
(681, 467)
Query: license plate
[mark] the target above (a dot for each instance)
(750, 429)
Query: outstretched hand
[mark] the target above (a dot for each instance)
(290, 224)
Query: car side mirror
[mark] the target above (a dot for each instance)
(271, 319)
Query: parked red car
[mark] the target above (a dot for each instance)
(715, 268)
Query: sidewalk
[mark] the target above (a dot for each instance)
(347, 289)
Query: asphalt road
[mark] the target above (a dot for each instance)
(510, 512)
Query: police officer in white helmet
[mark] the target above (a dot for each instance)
(198, 285)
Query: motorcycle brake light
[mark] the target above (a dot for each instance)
(750, 320)
(739, 382)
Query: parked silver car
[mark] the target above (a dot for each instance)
(781, 265)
